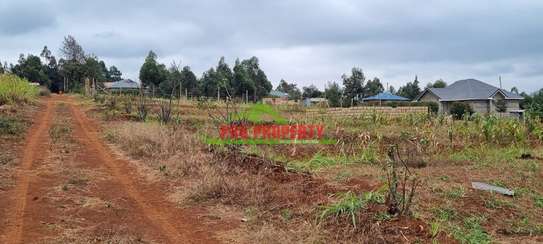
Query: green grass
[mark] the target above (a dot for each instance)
(538, 201)
(14, 90)
(472, 232)
(493, 202)
(320, 161)
(455, 192)
(488, 156)
(349, 205)
(445, 214)
(10, 126)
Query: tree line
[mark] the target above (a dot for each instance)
(354, 87)
(65, 73)
(245, 80)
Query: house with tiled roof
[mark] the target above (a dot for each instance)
(482, 97)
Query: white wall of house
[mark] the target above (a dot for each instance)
(479, 106)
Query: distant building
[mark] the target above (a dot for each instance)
(320, 101)
(276, 98)
(122, 85)
(482, 97)
(385, 97)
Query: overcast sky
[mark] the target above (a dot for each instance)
(304, 41)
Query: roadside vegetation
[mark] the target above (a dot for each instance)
(342, 192)
(14, 90)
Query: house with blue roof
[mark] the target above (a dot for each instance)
(385, 97)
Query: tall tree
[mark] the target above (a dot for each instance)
(173, 83)
(354, 85)
(223, 79)
(31, 68)
(514, 89)
(189, 82)
(93, 70)
(437, 84)
(410, 90)
(373, 87)
(209, 84)
(72, 51)
(114, 74)
(151, 72)
(391, 89)
(262, 86)
(72, 63)
(311, 92)
(333, 93)
(242, 84)
(289, 88)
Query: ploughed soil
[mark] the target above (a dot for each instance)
(69, 187)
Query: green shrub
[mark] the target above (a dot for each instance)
(10, 126)
(349, 205)
(16, 90)
(458, 110)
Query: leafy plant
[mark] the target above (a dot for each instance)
(459, 109)
(10, 126)
(347, 206)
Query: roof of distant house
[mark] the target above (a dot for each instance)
(124, 84)
(316, 99)
(469, 89)
(385, 96)
(278, 94)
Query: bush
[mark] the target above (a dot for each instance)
(458, 110)
(16, 90)
(44, 91)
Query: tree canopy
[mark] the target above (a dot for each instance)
(311, 92)
(410, 90)
(373, 87)
(333, 93)
(437, 84)
(354, 85)
(289, 88)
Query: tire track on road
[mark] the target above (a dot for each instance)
(176, 229)
(35, 147)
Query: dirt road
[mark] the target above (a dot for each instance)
(72, 188)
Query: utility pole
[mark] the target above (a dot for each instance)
(246, 96)
(500, 82)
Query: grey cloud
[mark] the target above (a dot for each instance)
(303, 41)
(20, 18)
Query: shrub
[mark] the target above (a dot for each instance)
(44, 91)
(501, 106)
(10, 126)
(458, 110)
(13, 89)
(349, 205)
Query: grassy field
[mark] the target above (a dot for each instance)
(342, 192)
